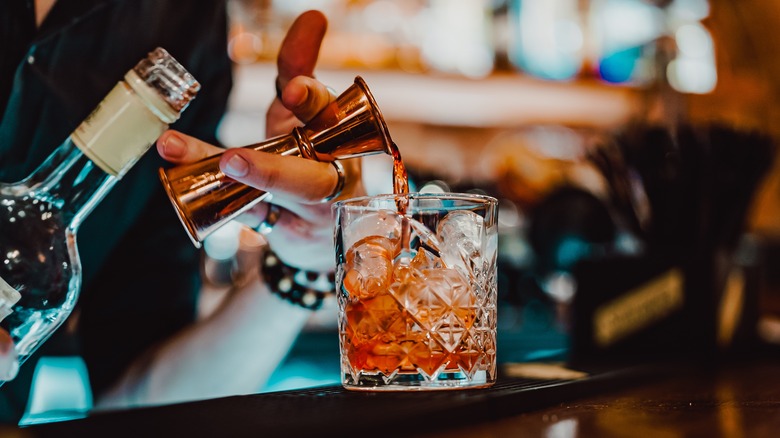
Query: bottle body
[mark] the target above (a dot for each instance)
(40, 270)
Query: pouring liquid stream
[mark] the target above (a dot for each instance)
(401, 187)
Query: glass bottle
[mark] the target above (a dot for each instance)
(40, 271)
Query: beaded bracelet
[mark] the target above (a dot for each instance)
(305, 288)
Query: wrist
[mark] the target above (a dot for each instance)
(301, 287)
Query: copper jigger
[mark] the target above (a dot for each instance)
(205, 199)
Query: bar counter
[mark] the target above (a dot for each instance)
(736, 398)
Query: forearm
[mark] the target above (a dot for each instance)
(232, 352)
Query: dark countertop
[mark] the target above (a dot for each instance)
(735, 398)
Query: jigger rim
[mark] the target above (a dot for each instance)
(388, 141)
(192, 231)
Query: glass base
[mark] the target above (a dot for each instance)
(416, 381)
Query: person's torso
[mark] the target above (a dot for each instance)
(57, 75)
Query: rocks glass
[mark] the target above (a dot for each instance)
(416, 283)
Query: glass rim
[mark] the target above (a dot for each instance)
(355, 203)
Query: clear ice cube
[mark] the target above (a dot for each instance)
(368, 268)
(425, 260)
(380, 223)
(460, 234)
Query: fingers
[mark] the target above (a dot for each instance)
(294, 178)
(279, 120)
(306, 97)
(178, 148)
(308, 214)
(301, 46)
(301, 234)
(301, 96)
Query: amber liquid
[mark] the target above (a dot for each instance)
(401, 187)
(400, 177)
(400, 180)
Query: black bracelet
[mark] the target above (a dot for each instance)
(305, 288)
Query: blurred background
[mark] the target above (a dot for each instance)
(518, 99)
(511, 98)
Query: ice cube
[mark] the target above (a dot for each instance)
(380, 223)
(436, 297)
(454, 290)
(411, 266)
(455, 315)
(402, 270)
(425, 261)
(368, 267)
(460, 234)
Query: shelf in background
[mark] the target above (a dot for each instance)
(502, 100)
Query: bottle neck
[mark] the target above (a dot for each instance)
(98, 153)
(71, 181)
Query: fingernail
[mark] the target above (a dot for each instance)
(236, 166)
(174, 146)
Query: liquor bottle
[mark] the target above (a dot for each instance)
(40, 271)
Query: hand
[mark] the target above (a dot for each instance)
(9, 363)
(303, 235)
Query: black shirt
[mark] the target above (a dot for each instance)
(140, 276)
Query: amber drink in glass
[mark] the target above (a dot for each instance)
(416, 281)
